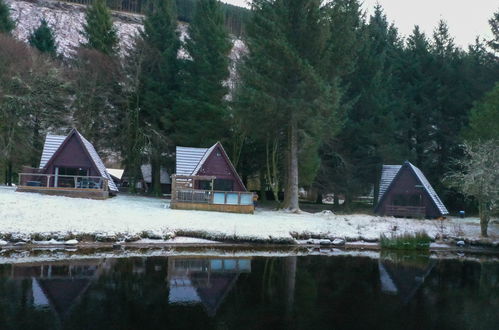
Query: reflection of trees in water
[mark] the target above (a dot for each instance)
(274, 293)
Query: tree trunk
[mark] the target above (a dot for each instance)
(319, 198)
(263, 195)
(156, 174)
(290, 271)
(292, 182)
(9, 173)
(484, 218)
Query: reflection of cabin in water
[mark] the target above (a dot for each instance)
(59, 286)
(204, 281)
(69, 166)
(404, 278)
(404, 191)
(205, 179)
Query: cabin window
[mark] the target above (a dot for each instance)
(407, 200)
(73, 171)
(224, 185)
(204, 185)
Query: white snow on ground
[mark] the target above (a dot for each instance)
(24, 214)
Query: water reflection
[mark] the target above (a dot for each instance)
(392, 292)
(402, 274)
(204, 281)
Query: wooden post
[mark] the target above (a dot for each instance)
(174, 188)
(56, 179)
(48, 180)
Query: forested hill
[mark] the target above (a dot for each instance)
(67, 19)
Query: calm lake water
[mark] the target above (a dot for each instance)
(309, 292)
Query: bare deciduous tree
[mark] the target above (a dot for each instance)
(478, 177)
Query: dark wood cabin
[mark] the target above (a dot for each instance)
(205, 179)
(69, 166)
(404, 191)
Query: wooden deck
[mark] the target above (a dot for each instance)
(91, 187)
(186, 198)
(406, 211)
(67, 192)
(245, 209)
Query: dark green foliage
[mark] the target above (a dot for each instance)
(371, 108)
(156, 68)
(484, 117)
(417, 241)
(494, 25)
(284, 95)
(202, 113)
(6, 22)
(43, 39)
(98, 30)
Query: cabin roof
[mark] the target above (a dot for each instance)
(389, 174)
(54, 142)
(191, 160)
(188, 159)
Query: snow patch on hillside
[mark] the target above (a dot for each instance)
(66, 20)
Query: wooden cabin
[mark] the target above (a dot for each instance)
(404, 191)
(70, 166)
(205, 179)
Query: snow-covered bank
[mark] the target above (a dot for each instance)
(27, 216)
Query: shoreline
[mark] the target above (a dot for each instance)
(53, 254)
(195, 243)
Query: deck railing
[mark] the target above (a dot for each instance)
(213, 197)
(406, 211)
(52, 181)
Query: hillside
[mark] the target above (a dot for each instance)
(67, 20)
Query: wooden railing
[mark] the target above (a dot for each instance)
(213, 197)
(34, 180)
(406, 211)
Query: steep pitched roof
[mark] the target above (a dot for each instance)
(389, 174)
(54, 142)
(191, 160)
(188, 159)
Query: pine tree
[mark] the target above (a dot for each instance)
(202, 109)
(484, 118)
(99, 32)
(282, 90)
(43, 39)
(6, 23)
(158, 82)
(494, 25)
(368, 135)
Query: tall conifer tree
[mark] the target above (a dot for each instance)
(283, 90)
(202, 109)
(158, 82)
(99, 31)
(43, 39)
(6, 23)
